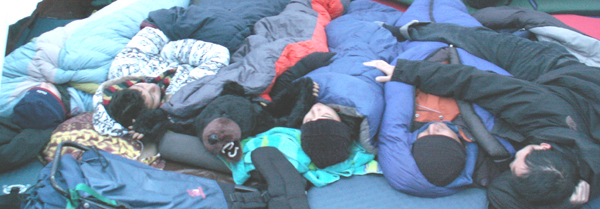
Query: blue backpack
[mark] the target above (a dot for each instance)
(102, 180)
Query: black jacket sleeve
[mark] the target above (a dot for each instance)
(521, 57)
(20, 145)
(520, 103)
(530, 108)
(290, 105)
(304, 66)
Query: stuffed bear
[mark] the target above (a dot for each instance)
(234, 116)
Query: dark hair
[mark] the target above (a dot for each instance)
(552, 176)
(126, 105)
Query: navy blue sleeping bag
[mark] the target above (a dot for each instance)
(226, 23)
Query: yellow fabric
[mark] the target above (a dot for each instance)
(86, 87)
(89, 137)
(80, 129)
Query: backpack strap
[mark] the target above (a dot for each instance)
(74, 197)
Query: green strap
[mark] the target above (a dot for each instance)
(73, 201)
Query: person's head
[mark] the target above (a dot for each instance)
(324, 138)
(151, 94)
(439, 154)
(126, 105)
(51, 88)
(40, 108)
(320, 111)
(542, 175)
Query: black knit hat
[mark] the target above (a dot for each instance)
(326, 142)
(39, 109)
(440, 159)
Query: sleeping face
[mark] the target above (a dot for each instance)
(222, 137)
(321, 111)
(439, 128)
(150, 92)
(50, 87)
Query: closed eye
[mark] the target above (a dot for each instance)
(325, 116)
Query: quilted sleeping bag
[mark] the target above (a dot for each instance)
(226, 23)
(82, 51)
(277, 44)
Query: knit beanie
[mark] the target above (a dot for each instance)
(326, 142)
(440, 159)
(39, 109)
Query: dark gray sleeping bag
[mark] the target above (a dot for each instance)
(226, 23)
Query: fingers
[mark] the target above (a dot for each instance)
(137, 136)
(382, 79)
(381, 65)
(581, 193)
(315, 89)
(374, 63)
(131, 127)
(585, 191)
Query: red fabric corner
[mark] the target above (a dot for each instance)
(292, 53)
(584, 24)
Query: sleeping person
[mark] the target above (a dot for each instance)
(145, 74)
(328, 131)
(551, 101)
(234, 116)
(431, 146)
(48, 105)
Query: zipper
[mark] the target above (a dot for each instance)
(427, 109)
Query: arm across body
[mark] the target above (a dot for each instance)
(528, 107)
(521, 57)
(520, 103)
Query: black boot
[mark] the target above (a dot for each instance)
(286, 188)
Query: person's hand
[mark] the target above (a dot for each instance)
(135, 135)
(581, 193)
(384, 67)
(315, 89)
